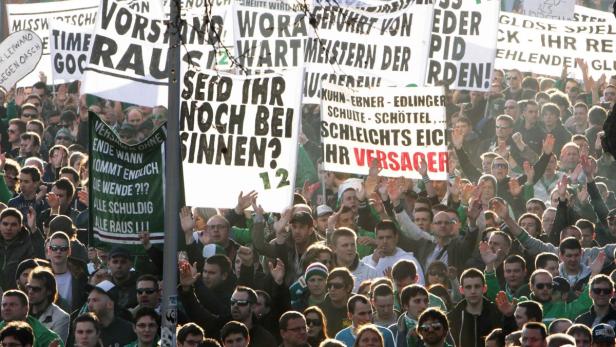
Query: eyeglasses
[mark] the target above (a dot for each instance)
(335, 285)
(602, 291)
(35, 289)
(55, 248)
(241, 303)
(540, 286)
(148, 291)
(434, 326)
(315, 322)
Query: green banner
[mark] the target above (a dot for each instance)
(126, 187)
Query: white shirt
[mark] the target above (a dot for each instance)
(388, 262)
(65, 287)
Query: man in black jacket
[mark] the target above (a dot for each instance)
(601, 290)
(475, 316)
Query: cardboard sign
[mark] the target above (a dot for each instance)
(20, 52)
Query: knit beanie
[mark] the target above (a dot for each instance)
(316, 269)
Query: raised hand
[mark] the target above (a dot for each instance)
(394, 189)
(188, 274)
(53, 200)
(561, 186)
(246, 256)
(423, 167)
(529, 171)
(500, 208)
(548, 144)
(31, 218)
(582, 195)
(244, 201)
(503, 304)
(186, 220)
(285, 218)
(488, 256)
(597, 265)
(277, 270)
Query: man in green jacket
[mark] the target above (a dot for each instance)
(15, 307)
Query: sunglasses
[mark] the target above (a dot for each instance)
(241, 303)
(602, 291)
(315, 322)
(431, 326)
(541, 286)
(33, 288)
(335, 285)
(148, 291)
(55, 248)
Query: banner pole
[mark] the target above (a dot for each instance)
(172, 184)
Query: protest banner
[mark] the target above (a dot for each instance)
(126, 186)
(128, 55)
(152, 7)
(36, 17)
(365, 47)
(562, 9)
(545, 45)
(398, 126)
(68, 47)
(267, 39)
(19, 54)
(463, 44)
(239, 134)
(585, 14)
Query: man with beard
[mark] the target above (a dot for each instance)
(433, 328)
(243, 302)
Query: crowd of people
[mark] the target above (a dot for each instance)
(516, 248)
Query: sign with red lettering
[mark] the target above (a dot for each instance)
(398, 126)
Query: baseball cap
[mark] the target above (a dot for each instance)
(323, 210)
(119, 251)
(62, 223)
(561, 284)
(105, 287)
(603, 333)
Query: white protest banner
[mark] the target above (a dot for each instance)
(68, 47)
(561, 9)
(128, 55)
(585, 14)
(19, 54)
(544, 45)
(463, 44)
(364, 47)
(240, 134)
(152, 7)
(398, 126)
(36, 17)
(269, 40)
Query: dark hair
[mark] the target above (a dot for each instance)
(38, 123)
(33, 171)
(148, 277)
(188, 329)
(57, 148)
(66, 185)
(209, 342)
(233, 327)
(31, 136)
(403, 269)
(147, 311)
(67, 170)
(550, 107)
(423, 209)
(343, 273)
(252, 295)
(533, 217)
(319, 312)
(442, 292)
(601, 278)
(542, 259)
(20, 330)
(45, 275)
(287, 316)
(354, 299)
(585, 224)
(411, 291)
(536, 326)
(552, 326)
(433, 313)
(578, 328)
(21, 125)
(569, 243)
(386, 224)
(533, 309)
(497, 336)
(365, 328)
(266, 296)
(12, 212)
(222, 261)
(516, 259)
(597, 115)
(382, 290)
(472, 273)
(23, 298)
(61, 235)
(88, 317)
(560, 99)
